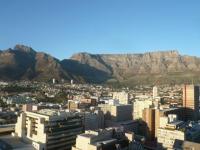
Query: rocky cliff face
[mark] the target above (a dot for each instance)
(24, 63)
(148, 67)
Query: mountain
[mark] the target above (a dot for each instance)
(148, 68)
(24, 63)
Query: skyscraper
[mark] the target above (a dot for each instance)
(191, 101)
(149, 118)
(155, 91)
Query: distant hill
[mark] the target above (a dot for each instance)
(24, 63)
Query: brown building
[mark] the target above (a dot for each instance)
(191, 102)
(90, 101)
(73, 105)
(149, 118)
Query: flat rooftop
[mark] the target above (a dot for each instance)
(9, 142)
(48, 112)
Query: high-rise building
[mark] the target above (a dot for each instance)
(149, 118)
(139, 106)
(123, 97)
(117, 112)
(93, 120)
(72, 82)
(191, 101)
(53, 80)
(155, 91)
(49, 129)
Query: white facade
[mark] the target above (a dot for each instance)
(166, 137)
(155, 91)
(45, 127)
(163, 122)
(123, 97)
(113, 101)
(139, 106)
(53, 80)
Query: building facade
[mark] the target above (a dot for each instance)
(123, 97)
(191, 101)
(49, 129)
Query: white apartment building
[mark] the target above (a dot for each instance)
(155, 91)
(49, 129)
(123, 97)
(139, 106)
(168, 132)
(166, 137)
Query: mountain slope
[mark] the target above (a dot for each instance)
(167, 66)
(23, 63)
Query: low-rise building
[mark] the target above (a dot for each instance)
(107, 139)
(118, 112)
(175, 133)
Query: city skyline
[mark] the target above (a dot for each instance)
(62, 28)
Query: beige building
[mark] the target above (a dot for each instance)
(169, 134)
(187, 145)
(139, 106)
(175, 134)
(191, 101)
(123, 97)
(167, 137)
(107, 139)
(149, 116)
(155, 91)
(49, 129)
(117, 112)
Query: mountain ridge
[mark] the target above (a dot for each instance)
(24, 63)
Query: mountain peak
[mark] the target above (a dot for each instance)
(24, 48)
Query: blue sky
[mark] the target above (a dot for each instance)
(64, 27)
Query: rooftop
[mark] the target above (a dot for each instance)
(49, 112)
(10, 142)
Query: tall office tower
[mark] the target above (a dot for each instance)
(72, 82)
(149, 118)
(53, 80)
(49, 129)
(155, 91)
(191, 101)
